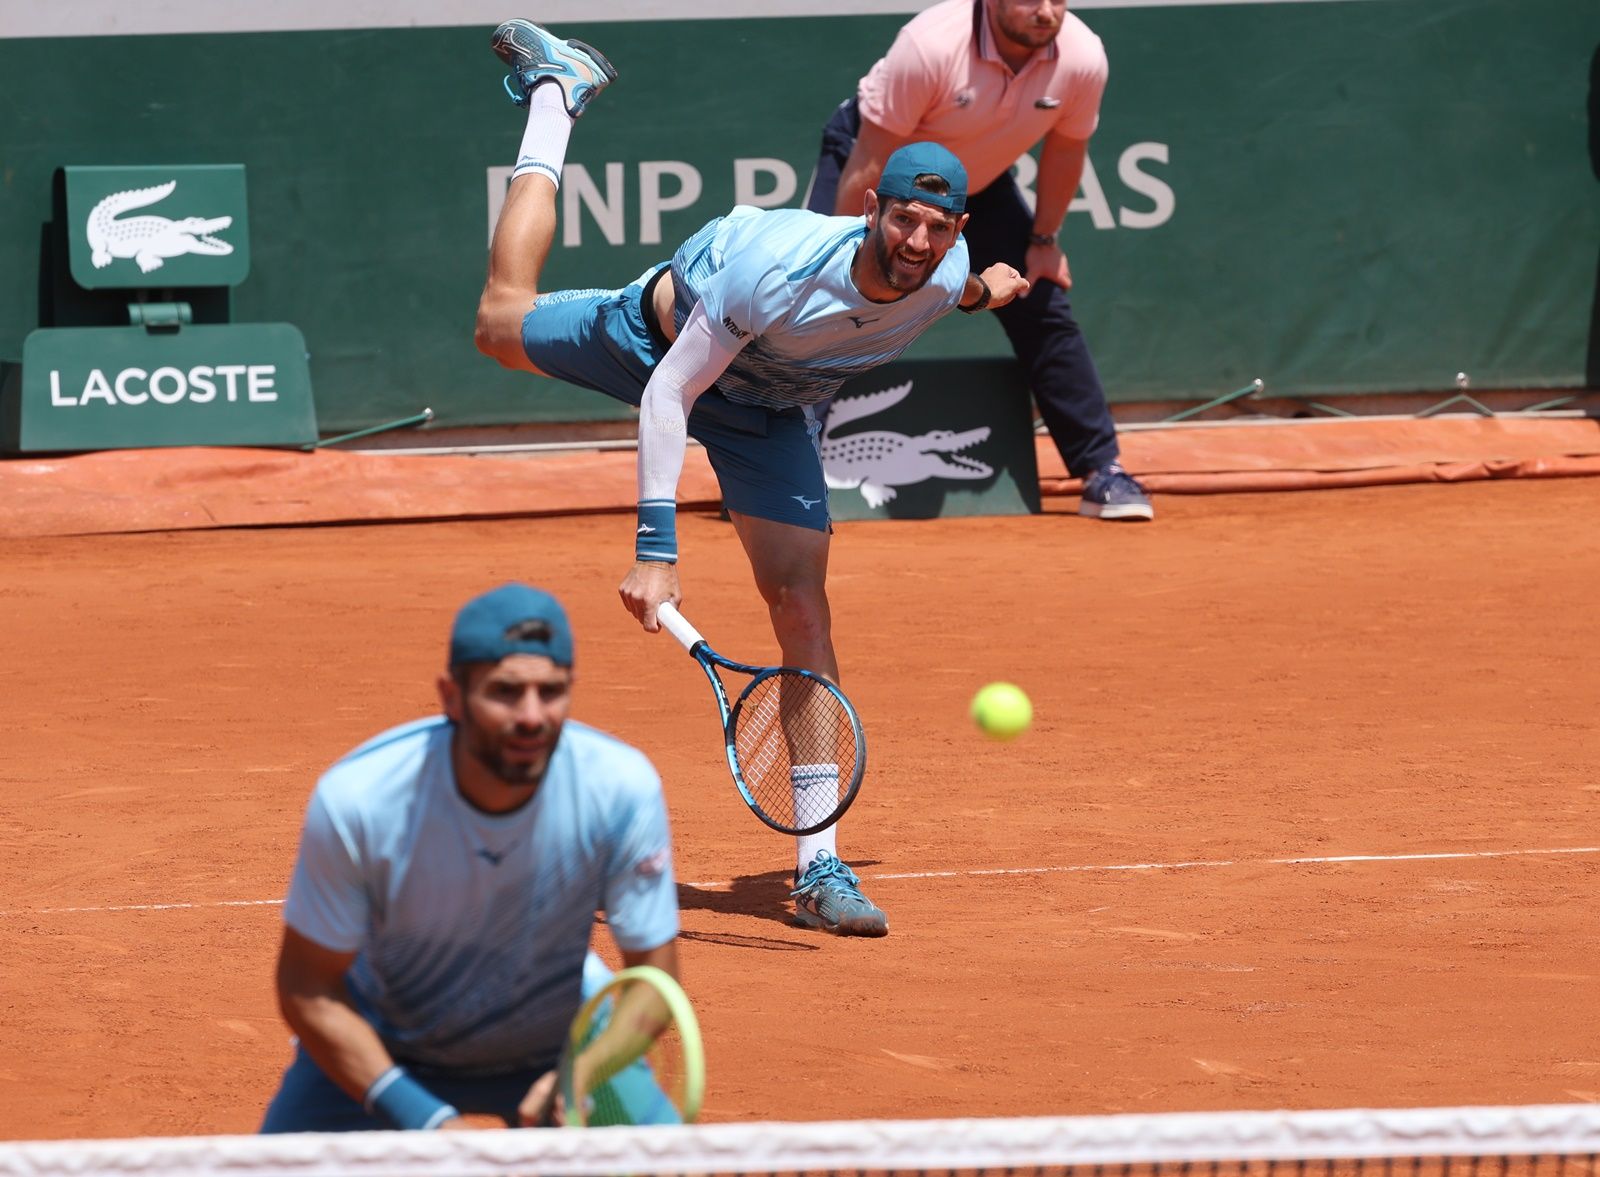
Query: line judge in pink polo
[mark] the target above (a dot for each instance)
(989, 79)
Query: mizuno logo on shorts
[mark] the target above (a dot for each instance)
(805, 502)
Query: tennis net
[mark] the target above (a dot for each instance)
(1535, 1141)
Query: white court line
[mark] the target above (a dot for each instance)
(144, 907)
(1220, 862)
(720, 884)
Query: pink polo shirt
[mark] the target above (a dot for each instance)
(943, 80)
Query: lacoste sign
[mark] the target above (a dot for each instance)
(96, 388)
(200, 385)
(158, 226)
(149, 240)
(960, 444)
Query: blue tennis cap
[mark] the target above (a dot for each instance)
(512, 619)
(898, 181)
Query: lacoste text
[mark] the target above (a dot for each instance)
(168, 386)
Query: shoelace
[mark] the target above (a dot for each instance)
(831, 869)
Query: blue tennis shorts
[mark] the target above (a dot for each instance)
(768, 462)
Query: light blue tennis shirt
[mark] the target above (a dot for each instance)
(782, 277)
(471, 929)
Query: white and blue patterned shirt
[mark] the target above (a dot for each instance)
(782, 277)
(471, 929)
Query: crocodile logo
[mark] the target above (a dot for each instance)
(878, 462)
(149, 240)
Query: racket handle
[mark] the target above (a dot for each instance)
(678, 625)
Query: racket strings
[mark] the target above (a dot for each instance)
(648, 1089)
(637, 1076)
(795, 741)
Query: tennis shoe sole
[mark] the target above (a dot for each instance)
(1117, 512)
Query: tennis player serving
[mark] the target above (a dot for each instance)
(759, 316)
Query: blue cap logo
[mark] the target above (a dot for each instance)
(512, 619)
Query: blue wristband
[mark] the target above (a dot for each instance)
(656, 540)
(405, 1103)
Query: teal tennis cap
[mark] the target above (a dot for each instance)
(898, 181)
(512, 619)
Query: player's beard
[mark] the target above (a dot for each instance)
(488, 749)
(885, 257)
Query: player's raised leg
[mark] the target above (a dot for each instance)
(791, 570)
(523, 235)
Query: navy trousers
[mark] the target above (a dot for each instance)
(1043, 333)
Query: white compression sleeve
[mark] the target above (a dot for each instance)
(692, 364)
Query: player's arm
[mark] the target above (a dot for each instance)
(641, 906)
(873, 147)
(641, 903)
(992, 289)
(1060, 171)
(316, 1003)
(638, 1019)
(639, 1014)
(700, 354)
(664, 958)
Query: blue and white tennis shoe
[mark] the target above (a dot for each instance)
(535, 55)
(828, 896)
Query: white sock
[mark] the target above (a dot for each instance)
(544, 143)
(816, 792)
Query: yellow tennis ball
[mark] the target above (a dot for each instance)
(1002, 711)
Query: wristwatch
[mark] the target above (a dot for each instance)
(983, 298)
(1041, 238)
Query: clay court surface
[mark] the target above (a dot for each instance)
(1097, 918)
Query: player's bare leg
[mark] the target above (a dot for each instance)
(791, 570)
(522, 239)
(555, 80)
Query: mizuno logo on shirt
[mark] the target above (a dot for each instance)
(805, 502)
(734, 328)
(491, 857)
(1047, 103)
(860, 322)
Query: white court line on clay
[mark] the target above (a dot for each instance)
(1213, 863)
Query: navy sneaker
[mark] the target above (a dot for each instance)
(828, 896)
(1112, 493)
(535, 56)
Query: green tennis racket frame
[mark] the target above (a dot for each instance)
(682, 1012)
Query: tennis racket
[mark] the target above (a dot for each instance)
(795, 744)
(634, 1055)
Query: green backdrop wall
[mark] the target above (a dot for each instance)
(1365, 195)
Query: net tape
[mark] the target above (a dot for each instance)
(844, 1146)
